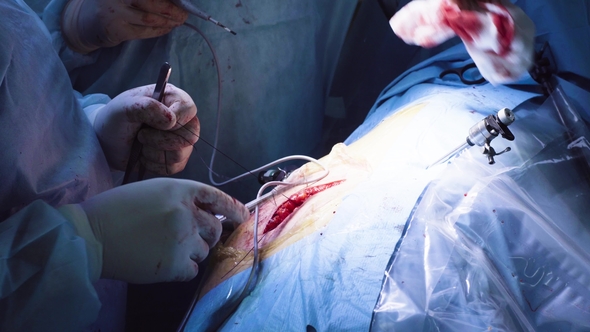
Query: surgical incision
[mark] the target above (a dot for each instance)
(294, 201)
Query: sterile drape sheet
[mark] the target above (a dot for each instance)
(331, 279)
(503, 247)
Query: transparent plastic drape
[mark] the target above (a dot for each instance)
(502, 247)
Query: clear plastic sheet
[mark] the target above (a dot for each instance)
(503, 247)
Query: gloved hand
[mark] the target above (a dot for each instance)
(167, 142)
(152, 231)
(91, 24)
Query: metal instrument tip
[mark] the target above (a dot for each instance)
(223, 26)
(227, 29)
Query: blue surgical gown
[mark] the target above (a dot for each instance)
(50, 157)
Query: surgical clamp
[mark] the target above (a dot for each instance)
(136, 147)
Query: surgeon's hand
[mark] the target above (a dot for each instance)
(153, 231)
(91, 24)
(168, 140)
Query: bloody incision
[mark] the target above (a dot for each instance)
(294, 201)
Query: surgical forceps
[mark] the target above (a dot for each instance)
(461, 73)
(136, 147)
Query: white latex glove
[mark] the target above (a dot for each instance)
(91, 24)
(152, 231)
(498, 36)
(167, 142)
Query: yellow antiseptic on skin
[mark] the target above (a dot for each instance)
(353, 163)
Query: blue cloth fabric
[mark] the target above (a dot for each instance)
(50, 157)
(50, 150)
(44, 273)
(566, 27)
(276, 76)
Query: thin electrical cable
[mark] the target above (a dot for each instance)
(218, 120)
(215, 149)
(251, 282)
(251, 204)
(206, 164)
(259, 197)
(214, 146)
(189, 7)
(256, 260)
(254, 204)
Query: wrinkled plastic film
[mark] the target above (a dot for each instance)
(503, 247)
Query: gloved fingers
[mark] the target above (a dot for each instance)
(217, 202)
(160, 156)
(180, 103)
(167, 152)
(135, 17)
(188, 273)
(199, 249)
(168, 140)
(164, 168)
(181, 266)
(177, 109)
(137, 22)
(164, 8)
(139, 107)
(133, 31)
(209, 229)
(189, 130)
(192, 249)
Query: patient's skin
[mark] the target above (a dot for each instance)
(313, 214)
(352, 163)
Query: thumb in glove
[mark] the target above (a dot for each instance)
(152, 231)
(168, 137)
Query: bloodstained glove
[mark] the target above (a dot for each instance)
(168, 137)
(91, 24)
(498, 36)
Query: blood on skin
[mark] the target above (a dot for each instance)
(293, 202)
